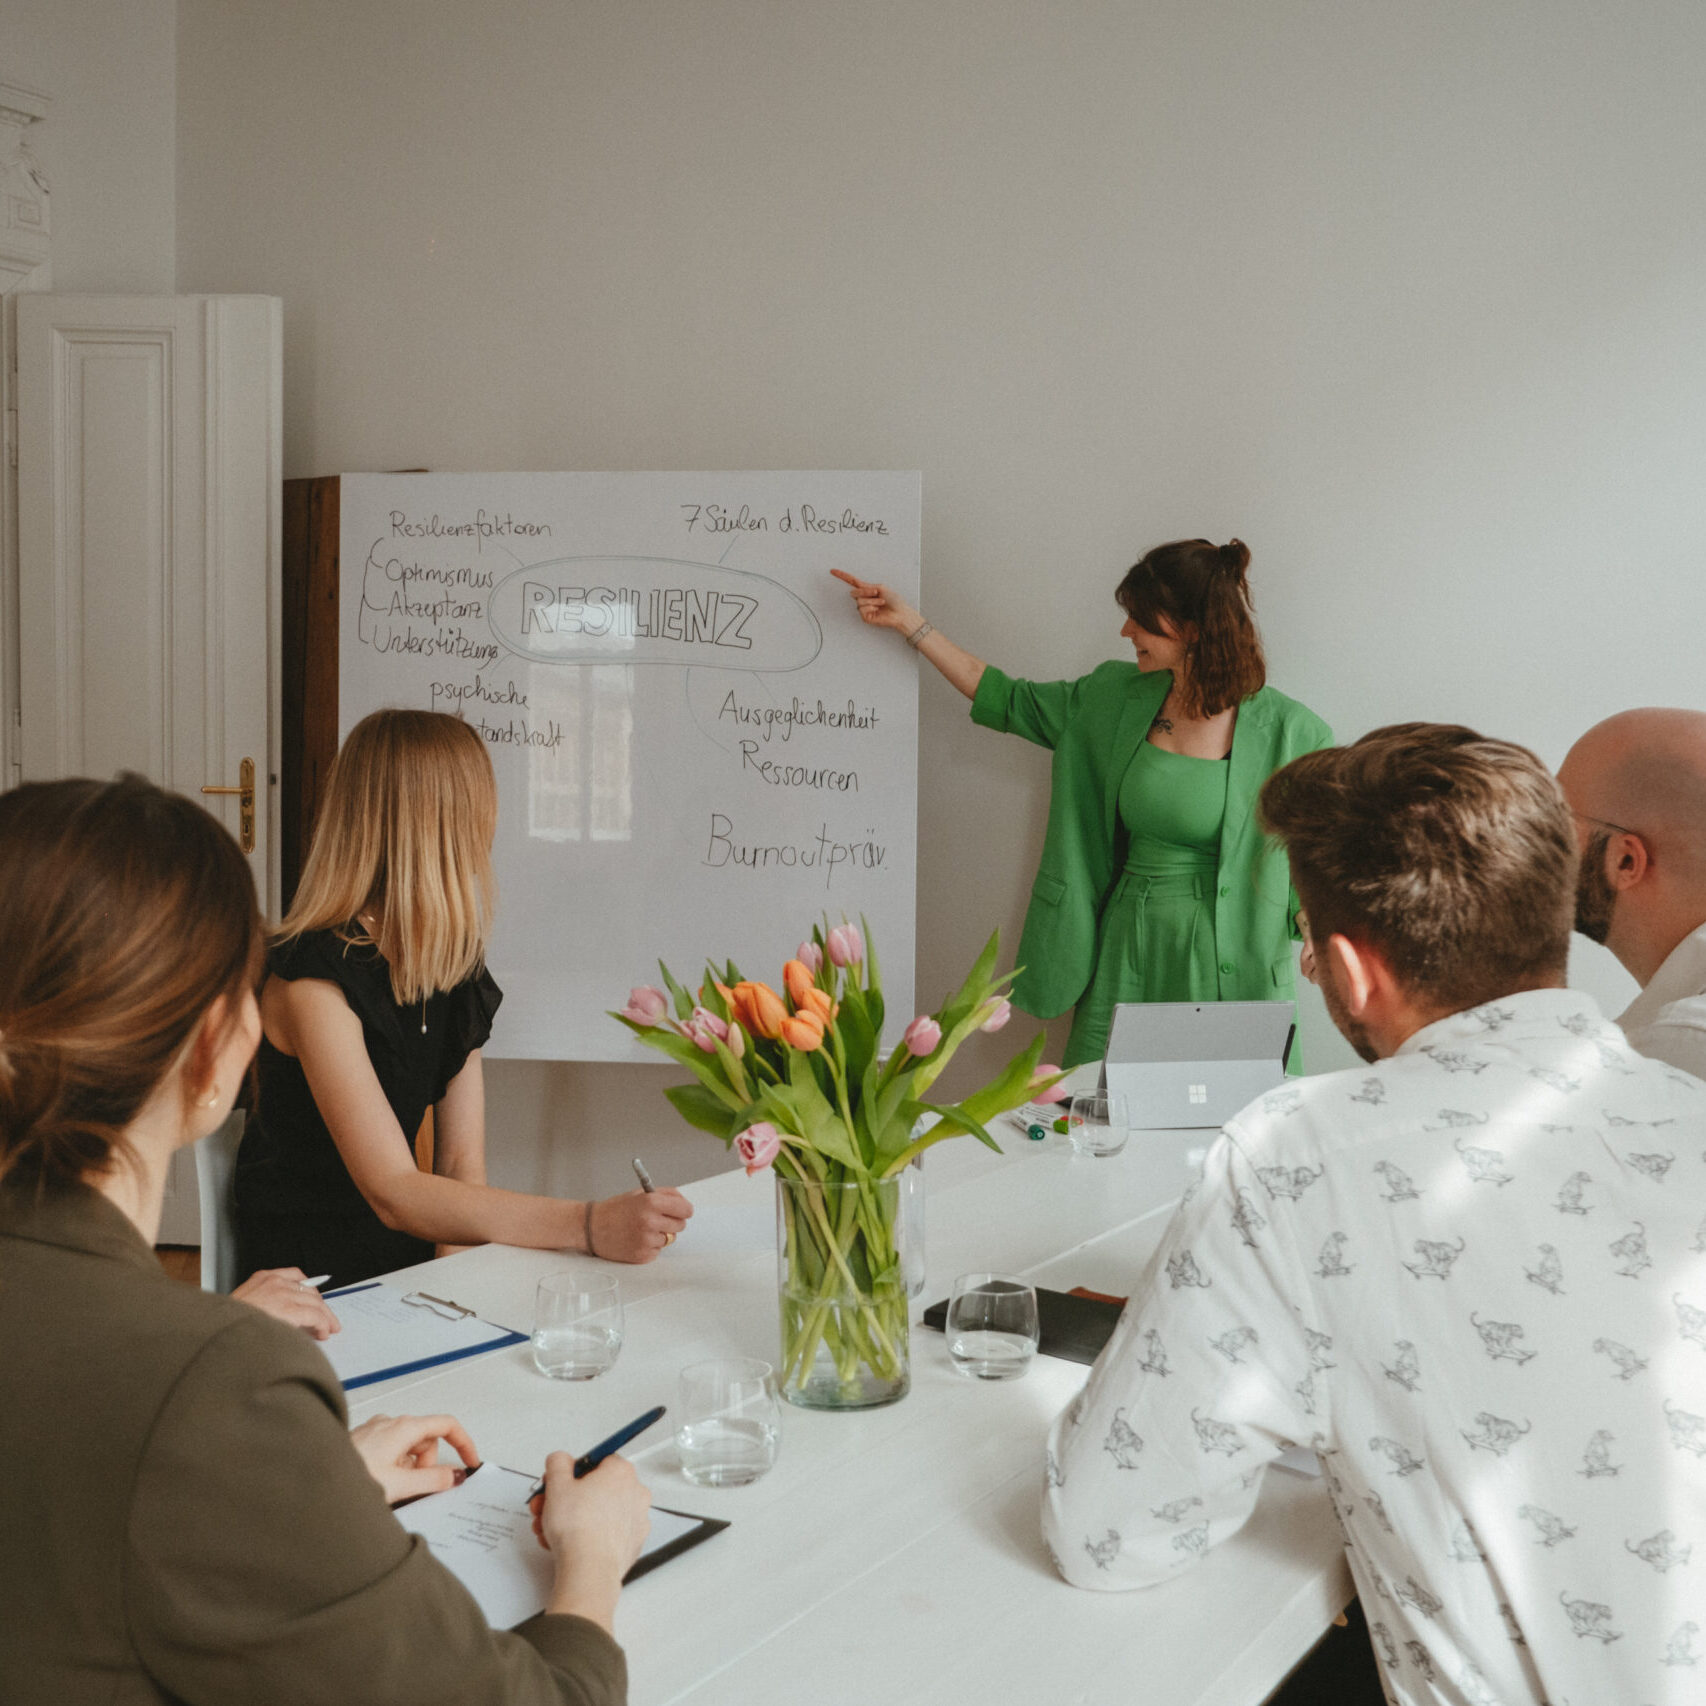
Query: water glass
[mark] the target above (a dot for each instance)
(992, 1326)
(911, 1239)
(1099, 1123)
(577, 1324)
(731, 1421)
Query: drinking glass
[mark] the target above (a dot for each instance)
(577, 1324)
(992, 1326)
(911, 1239)
(731, 1421)
(1099, 1123)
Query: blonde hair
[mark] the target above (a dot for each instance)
(405, 827)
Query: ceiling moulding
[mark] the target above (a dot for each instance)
(25, 231)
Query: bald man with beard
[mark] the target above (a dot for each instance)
(1637, 786)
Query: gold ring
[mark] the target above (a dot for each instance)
(668, 1239)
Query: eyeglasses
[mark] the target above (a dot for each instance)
(1603, 822)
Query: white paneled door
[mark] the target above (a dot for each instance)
(149, 486)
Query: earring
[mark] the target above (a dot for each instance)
(210, 1099)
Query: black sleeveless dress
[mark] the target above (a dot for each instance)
(297, 1205)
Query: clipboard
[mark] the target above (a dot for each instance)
(704, 1527)
(482, 1532)
(388, 1332)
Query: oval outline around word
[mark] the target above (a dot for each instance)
(693, 654)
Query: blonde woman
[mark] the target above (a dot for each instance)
(375, 1007)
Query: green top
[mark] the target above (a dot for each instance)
(1094, 726)
(1172, 807)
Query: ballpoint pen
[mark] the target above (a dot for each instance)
(643, 1176)
(584, 1465)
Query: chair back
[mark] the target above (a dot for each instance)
(216, 1177)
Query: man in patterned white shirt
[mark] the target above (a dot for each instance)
(1472, 1275)
(1636, 784)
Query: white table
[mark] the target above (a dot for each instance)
(894, 1555)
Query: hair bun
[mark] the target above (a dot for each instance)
(1235, 557)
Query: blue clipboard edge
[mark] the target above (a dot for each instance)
(508, 1338)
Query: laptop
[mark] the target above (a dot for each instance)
(1187, 1063)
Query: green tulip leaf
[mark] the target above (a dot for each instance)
(700, 1108)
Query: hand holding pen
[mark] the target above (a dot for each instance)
(594, 1529)
(590, 1460)
(638, 1225)
(588, 1517)
(291, 1296)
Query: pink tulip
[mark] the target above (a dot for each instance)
(737, 1041)
(810, 955)
(704, 1019)
(758, 1146)
(646, 1005)
(846, 945)
(700, 1038)
(1055, 1092)
(923, 1036)
(1001, 1013)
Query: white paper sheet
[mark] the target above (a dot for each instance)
(730, 1228)
(482, 1532)
(382, 1333)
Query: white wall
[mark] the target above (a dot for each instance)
(109, 142)
(1407, 297)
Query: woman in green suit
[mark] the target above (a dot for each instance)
(1156, 883)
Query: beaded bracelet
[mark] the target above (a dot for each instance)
(919, 634)
(589, 1249)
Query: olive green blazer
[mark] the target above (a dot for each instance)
(1094, 726)
(182, 1516)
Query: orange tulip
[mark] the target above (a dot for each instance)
(817, 1001)
(803, 1031)
(759, 1008)
(797, 980)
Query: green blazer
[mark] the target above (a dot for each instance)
(1094, 726)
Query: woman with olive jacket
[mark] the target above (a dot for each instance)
(1156, 881)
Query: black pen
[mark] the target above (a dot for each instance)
(585, 1465)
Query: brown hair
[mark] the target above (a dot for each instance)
(1452, 855)
(125, 913)
(1202, 593)
(406, 825)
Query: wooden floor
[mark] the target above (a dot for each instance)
(181, 1261)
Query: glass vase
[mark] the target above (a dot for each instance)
(841, 1281)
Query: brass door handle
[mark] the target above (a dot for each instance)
(245, 792)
